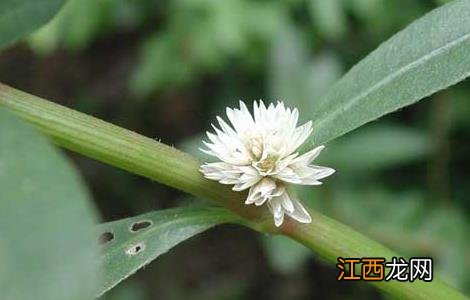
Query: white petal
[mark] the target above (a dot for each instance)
(312, 174)
(300, 214)
(288, 175)
(215, 170)
(308, 157)
(299, 136)
(206, 151)
(322, 172)
(261, 192)
(304, 173)
(257, 110)
(227, 153)
(284, 162)
(226, 173)
(226, 128)
(241, 119)
(286, 202)
(310, 181)
(245, 185)
(277, 211)
(260, 201)
(280, 190)
(278, 220)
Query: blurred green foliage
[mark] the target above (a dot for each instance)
(21, 17)
(46, 234)
(402, 180)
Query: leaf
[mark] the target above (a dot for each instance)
(427, 56)
(21, 17)
(129, 244)
(47, 247)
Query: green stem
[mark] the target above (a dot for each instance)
(140, 155)
(120, 147)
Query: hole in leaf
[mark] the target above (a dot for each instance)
(106, 237)
(135, 249)
(140, 225)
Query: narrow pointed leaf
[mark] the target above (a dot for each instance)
(131, 243)
(427, 56)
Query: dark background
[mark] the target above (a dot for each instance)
(165, 69)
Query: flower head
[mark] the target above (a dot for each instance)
(258, 152)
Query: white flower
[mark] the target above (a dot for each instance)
(259, 153)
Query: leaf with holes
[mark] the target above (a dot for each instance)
(21, 17)
(427, 56)
(131, 243)
(47, 248)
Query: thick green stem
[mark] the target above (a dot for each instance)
(120, 147)
(140, 155)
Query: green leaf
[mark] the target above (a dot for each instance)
(21, 17)
(429, 55)
(129, 244)
(47, 246)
